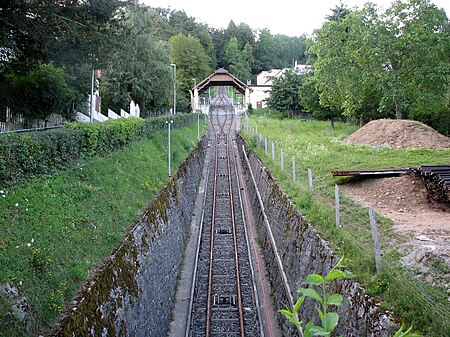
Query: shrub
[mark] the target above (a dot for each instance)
(27, 154)
(101, 138)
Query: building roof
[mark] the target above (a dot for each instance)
(222, 77)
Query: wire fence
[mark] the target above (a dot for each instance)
(349, 224)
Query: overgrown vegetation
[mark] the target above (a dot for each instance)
(370, 63)
(25, 155)
(56, 228)
(316, 146)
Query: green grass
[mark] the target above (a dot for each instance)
(316, 146)
(57, 228)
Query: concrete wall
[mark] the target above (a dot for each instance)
(302, 252)
(133, 293)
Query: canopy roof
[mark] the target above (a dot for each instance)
(221, 77)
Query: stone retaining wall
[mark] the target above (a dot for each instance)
(133, 293)
(302, 252)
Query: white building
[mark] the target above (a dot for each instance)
(264, 80)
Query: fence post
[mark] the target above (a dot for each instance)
(293, 169)
(282, 160)
(337, 205)
(376, 242)
(273, 152)
(310, 180)
(265, 145)
(260, 139)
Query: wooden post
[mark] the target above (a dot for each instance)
(310, 180)
(376, 242)
(273, 151)
(265, 145)
(337, 205)
(282, 160)
(293, 169)
(260, 139)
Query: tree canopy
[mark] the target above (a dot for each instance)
(369, 64)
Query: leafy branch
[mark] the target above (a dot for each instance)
(329, 319)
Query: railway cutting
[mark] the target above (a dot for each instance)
(224, 302)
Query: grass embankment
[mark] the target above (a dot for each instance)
(57, 228)
(317, 147)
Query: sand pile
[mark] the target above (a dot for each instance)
(401, 134)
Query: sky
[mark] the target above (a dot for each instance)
(288, 17)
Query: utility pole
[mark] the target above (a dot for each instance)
(174, 87)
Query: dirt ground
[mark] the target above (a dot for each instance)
(422, 226)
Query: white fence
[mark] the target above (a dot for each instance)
(13, 122)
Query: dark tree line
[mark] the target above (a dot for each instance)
(48, 48)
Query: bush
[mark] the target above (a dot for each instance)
(27, 154)
(101, 138)
(158, 123)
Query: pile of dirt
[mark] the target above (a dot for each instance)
(401, 134)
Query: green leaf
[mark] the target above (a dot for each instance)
(298, 303)
(314, 279)
(307, 331)
(335, 274)
(311, 293)
(335, 299)
(291, 317)
(320, 313)
(319, 331)
(330, 320)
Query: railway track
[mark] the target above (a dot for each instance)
(224, 302)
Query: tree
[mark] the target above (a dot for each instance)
(289, 49)
(310, 97)
(338, 13)
(395, 63)
(69, 34)
(192, 63)
(244, 35)
(168, 23)
(265, 51)
(237, 60)
(43, 91)
(284, 94)
(416, 49)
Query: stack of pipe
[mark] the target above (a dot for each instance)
(437, 181)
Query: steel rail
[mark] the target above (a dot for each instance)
(211, 252)
(236, 253)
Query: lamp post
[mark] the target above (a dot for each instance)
(170, 121)
(92, 108)
(174, 87)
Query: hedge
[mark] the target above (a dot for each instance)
(24, 155)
